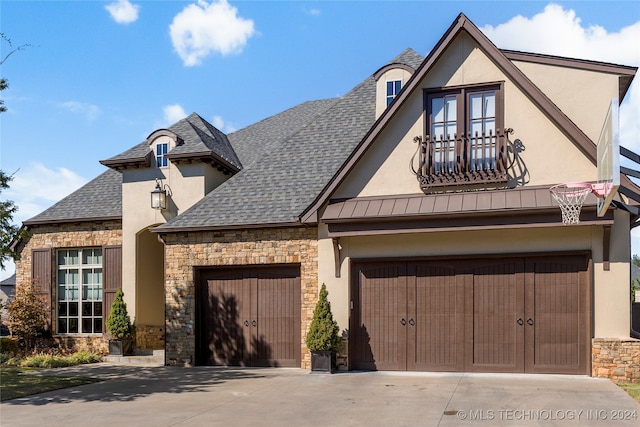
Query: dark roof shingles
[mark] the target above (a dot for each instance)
(99, 198)
(286, 179)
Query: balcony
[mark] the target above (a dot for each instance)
(469, 160)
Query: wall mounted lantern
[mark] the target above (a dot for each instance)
(159, 196)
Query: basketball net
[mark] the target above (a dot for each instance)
(570, 198)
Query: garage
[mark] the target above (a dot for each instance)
(248, 316)
(506, 313)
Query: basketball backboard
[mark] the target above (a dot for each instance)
(608, 159)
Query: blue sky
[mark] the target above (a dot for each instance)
(98, 76)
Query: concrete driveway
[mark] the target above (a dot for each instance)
(210, 396)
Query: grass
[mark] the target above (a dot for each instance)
(632, 389)
(18, 382)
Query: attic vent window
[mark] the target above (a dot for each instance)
(161, 155)
(393, 88)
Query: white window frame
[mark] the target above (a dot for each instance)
(391, 96)
(79, 291)
(161, 158)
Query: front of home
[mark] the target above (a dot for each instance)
(420, 198)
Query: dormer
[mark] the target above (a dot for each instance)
(390, 79)
(161, 142)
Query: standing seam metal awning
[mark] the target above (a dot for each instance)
(509, 208)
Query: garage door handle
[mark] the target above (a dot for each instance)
(254, 323)
(530, 321)
(520, 321)
(412, 322)
(404, 322)
(246, 323)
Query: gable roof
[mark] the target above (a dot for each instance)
(284, 180)
(196, 139)
(282, 176)
(99, 199)
(460, 24)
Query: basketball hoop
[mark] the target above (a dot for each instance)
(570, 197)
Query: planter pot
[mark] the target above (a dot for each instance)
(323, 361)
(122, 347)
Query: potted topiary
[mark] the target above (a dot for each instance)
(119, 326)
(322, 339)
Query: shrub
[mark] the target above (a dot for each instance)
(323, 332)
(118, 322)
(27, 317)
(57, 361)
(8, 345)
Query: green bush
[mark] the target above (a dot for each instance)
(118, 322)
(55, 361)
(8, 345)
(323, 332)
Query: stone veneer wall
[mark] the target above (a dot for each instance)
(68, 235)
(184, 251)
(616, 359)
(149, 337)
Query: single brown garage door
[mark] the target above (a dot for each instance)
(507, 314)
(248, 316)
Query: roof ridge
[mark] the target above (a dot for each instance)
(460, 24)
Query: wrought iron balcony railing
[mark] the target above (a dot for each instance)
(455, 160)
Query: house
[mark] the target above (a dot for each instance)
(420, 198)
(7, 292)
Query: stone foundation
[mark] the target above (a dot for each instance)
(616, 359)
(149, 337)
(95, 344)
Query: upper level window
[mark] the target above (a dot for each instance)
(161, 154)
(79, 294)
(393, 88)
(465, 140)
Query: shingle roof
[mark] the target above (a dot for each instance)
(409, 57)
(100, 198)
(299, 148)
(198, 137)
(9, 281)
(252, 142)
(290, 172)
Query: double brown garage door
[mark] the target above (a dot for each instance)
(509, 314)
(248, 316)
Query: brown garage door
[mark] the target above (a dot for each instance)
(248, 316)
(509, 314)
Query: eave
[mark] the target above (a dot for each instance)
(121, 164)
(499, 209)
(161, 230)
(208, 157)
(72, 220)
(462, 23)
(625, 73)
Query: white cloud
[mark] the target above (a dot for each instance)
(36, 187)
(220, 124)
(89, 110)
(203, 28)
(123, 11)
(313, 12)
(560, 32)
(33, 189)
(173, 113)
